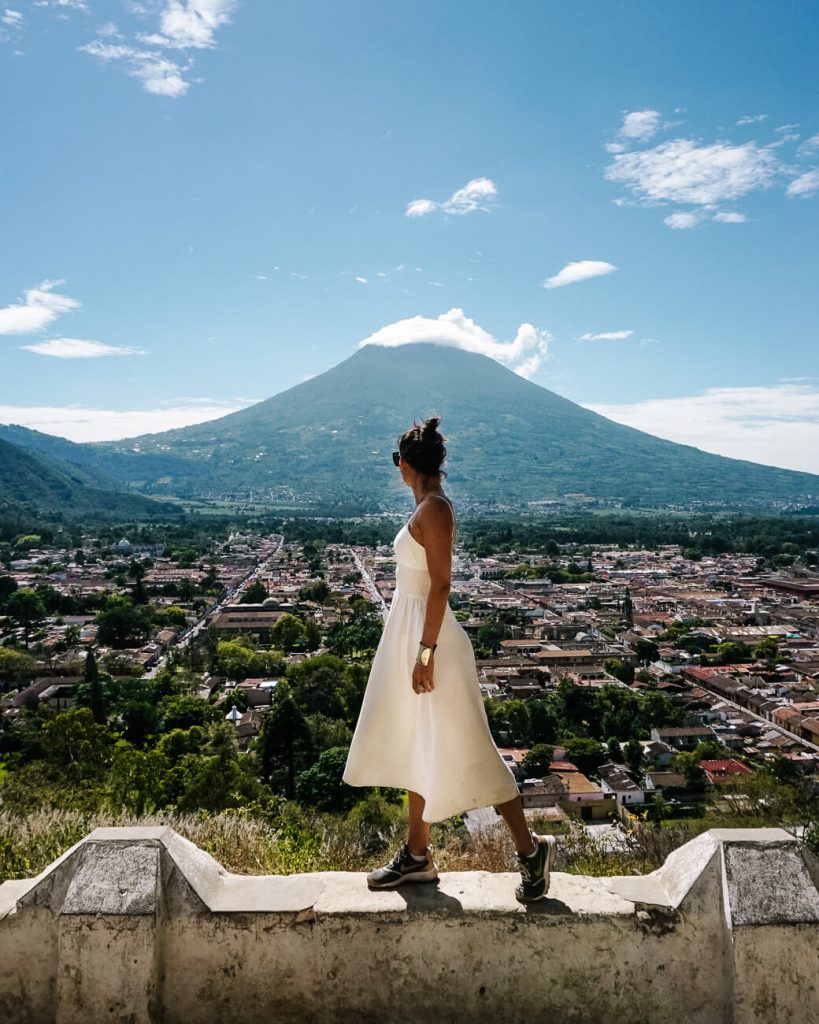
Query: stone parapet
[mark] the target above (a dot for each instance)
(139, 925)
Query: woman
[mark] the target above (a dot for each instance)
(422, 725)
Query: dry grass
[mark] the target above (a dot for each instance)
(299, 841)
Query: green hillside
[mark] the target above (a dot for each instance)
(511, 442)
(40, 484)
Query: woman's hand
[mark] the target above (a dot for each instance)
(422, 676)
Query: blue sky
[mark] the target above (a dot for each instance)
(205, 202)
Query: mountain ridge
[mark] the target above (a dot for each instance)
(39, 483)
(511, 443)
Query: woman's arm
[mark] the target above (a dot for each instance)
(435, 526)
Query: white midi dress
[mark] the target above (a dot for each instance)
(437, 744)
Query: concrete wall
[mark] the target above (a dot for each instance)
(139, 925)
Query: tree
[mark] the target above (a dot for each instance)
(96, 697)
(8, 585)
(322, 685)
(120, 624)
(234, 657)
(140, 721)
(688, 764)
(216, 777)
(285, 745)
(328, 732)
(72, 637)
(586, 753)
(647, 651)
(729, 653)
(614, 750)
(767, 650)
(16, 665)
(491, 633)
(312, 640)
(539, 759)
(288, 633)
(318, 592)
(322, 786)
(628, 608)
(255, 593)
(620, 669)
(542, 721)
(783, 770)
(138, 781)
(26, 609)
(634, 756)
(359, 635)
(74, 742)
(183, 712)
(178, 742)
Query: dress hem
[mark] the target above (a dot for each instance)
(459, 809)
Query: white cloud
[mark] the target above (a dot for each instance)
(12, 18)
(579, 271)
(776, 425)
(84, 423)
(681, 171)
(784, 140)
(529, 366)
(457, 330)
(475, 195)
(362, 280)
(40, 308)
(640, 124)
(805, 185)
(183, 25)
(158, 74)
(636, 126)
(191, 24)
(109, 31)
(726, 217)
(80, 348)
(77, 5)
(751, 119)
(606, 336)
(421, 207)
(683, 220)
(809, 145)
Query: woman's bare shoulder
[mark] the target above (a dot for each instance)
(440, 513)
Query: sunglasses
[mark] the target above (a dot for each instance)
(396, 458)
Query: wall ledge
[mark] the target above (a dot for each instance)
(139, 924)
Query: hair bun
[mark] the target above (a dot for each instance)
(430, 428)
(423, 447)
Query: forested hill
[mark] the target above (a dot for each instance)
(39, 484)
(511, 442)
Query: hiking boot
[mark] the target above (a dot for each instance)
(535, 868)
(402, 868)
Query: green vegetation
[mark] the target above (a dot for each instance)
(776, 540)
(570, 712)
(149, 749)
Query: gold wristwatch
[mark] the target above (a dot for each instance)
(424, 654)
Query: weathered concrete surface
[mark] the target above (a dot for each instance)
(773, 903)
(139, 925)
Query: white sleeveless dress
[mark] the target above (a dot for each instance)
(437, 744)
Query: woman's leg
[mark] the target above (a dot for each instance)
(512, 814)
(418, 828)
